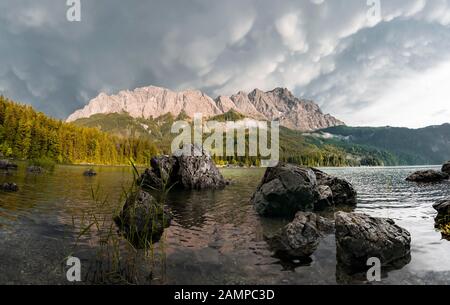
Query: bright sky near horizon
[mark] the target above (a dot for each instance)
(372, 72)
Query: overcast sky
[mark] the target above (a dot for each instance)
(392, 71)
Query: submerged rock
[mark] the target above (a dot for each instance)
(9, 187)
(287, 189)
(427, 176)
(90, 173)
(142, 219)
(446, 167)
(300, 238)
(189, 168)
(35, 169)
(360, 237)
(6, 164)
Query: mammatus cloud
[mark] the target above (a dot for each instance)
(387, 71)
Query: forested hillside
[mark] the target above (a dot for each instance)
(429, 145)
(295, 147)
(27, 134)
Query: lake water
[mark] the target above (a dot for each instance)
(216, 237)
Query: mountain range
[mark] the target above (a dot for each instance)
(153, 102)
(307, 137)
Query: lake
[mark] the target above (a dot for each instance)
(215, 237)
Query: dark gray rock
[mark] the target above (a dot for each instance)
(300, 238)
(428, 176)
(342, 190)
(9, 187)
(143, 219)
(6, 164)
(360, 237)
(35, 169)
(446, 167)
(287, 189)
(443, 207)
(90, 173)
(188, 168)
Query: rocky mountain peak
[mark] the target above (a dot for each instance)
(278, 104)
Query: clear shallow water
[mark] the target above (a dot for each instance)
(216, 237)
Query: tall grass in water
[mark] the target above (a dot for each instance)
(119, 258)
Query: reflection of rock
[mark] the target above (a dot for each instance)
(287, 189)
(142, 219)
(300, 238)
(90, 173)
(188, 168)
(35, 169)
(360, 237)
(9, 187)
(427, 176)
(6, 164)
(446, 168)
(346, 276)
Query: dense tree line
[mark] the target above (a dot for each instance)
(28, 134)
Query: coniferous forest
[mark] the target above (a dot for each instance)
(27, 134)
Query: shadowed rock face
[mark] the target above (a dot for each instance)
(342, 191)
(142, 219)
(287, 189)
(428, 176)
(300, 238)
(188, 168)
(446, 168)
(443, 208)
(360, 237)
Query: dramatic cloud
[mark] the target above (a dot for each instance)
(365, 70)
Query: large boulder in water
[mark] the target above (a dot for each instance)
(142, 219)
(287, 189)
(428, 176)
(189, 168)
(300, 238)
(360, 237)
(446, 167)
(342, 191)
(6, 164)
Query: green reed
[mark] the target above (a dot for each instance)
(118, 260)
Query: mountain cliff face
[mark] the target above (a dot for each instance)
(153, 102)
